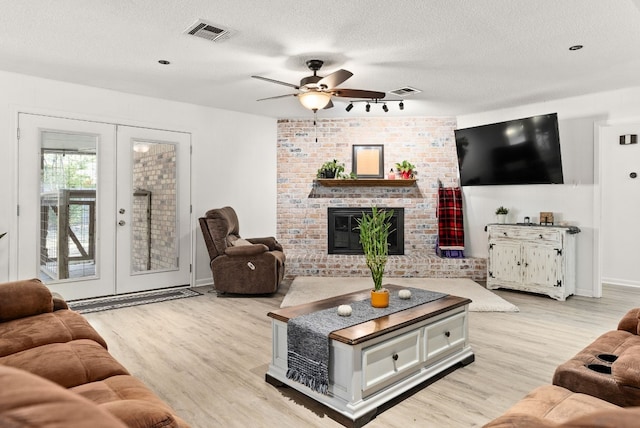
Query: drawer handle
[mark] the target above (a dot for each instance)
(395, 357)
(541, 237)
(447, 333)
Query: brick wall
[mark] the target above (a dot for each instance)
(427, 142)
(153, 245)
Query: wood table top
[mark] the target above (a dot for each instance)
(368, 330)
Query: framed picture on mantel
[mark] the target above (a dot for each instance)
(368, 160)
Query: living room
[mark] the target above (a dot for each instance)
(235, 162)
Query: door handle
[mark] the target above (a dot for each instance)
(122, 222)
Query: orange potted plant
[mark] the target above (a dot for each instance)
(374, 233)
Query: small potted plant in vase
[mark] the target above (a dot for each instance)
(501, 214)
(330, 169)
(374, 233)
(406, 169)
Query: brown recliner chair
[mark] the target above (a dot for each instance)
(241, 266)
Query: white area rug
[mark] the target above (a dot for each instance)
(305, 289)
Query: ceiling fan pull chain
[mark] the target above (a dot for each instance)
(315, 123)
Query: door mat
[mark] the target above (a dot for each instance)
(125, 301)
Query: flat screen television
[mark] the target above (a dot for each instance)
(522, 151)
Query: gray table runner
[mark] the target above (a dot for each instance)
(308, 335)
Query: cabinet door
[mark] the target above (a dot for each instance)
(505, 266)
(541, 265)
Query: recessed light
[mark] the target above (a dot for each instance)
(576, 47)
(164, 62)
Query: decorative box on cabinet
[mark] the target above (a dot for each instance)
(538, 259)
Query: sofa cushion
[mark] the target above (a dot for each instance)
(19, 299)
(549, 405)
(67, 364)
(53, 327)
(28, 401)
(130, 401)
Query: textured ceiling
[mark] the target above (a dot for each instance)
(466, 56)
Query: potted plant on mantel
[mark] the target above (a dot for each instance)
(406, 169)
(374, 234)
(501, 214)
(330, 169)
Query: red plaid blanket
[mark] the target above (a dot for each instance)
(450, 224)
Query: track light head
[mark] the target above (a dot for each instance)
(401, 105)
(385, 108)
(349, 107)
(368, 108)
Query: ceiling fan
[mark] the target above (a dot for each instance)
(315, 92)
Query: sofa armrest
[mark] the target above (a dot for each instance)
(246, 250)
(20, 299)
(269, 241)
(629, 321)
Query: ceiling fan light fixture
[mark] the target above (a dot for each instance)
(314, 100)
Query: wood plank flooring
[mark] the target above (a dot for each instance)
(207, 357)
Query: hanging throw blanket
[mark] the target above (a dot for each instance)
(308, 335)
(450, 224)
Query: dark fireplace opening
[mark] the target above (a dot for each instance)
(344, 236)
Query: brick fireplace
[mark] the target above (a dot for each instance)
(302, 205)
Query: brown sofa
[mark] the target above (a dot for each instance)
(240, 266)
(599, 387)
(54, 360)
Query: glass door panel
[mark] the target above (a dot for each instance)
(66, 198)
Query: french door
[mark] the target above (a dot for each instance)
(104, 209)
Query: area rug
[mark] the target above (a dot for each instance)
(305, 289)
(124, 301)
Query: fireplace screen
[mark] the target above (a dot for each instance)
(344, 236)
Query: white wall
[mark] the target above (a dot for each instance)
(234, 154)
(577, 201)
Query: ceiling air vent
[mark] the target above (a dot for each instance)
(405, 91)
(207, 31)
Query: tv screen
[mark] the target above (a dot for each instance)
(522, 151)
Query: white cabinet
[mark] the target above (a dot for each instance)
(539, 259)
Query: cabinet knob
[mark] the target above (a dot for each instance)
(447, 333)
(395, 357)
(541, 236)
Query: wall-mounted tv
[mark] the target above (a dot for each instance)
(522, 151)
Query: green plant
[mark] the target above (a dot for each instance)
(502, 210)
(374, 234)
(406, 169)
(330, 169)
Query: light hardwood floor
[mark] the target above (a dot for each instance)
(207, 357)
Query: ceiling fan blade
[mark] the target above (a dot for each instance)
(330, 105)
(335, 78)
(358, 93)
(278, 96)
(266, 79)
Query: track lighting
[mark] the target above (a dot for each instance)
(367, 108)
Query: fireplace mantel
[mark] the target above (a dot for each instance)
(365, 182)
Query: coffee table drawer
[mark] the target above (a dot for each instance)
(444, 336)
(383, 363)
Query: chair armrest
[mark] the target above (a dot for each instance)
(629, 321)
(20, 299)
(246, 250)
(269, 241)
(59, 302)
